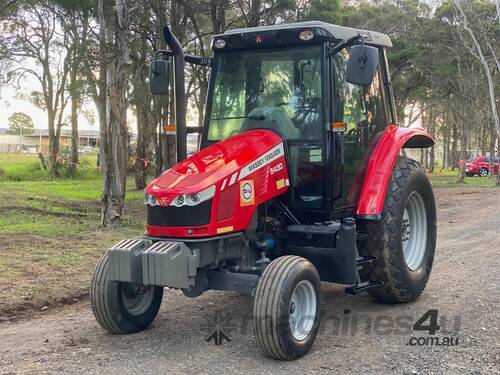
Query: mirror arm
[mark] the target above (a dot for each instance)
(162, 54)
(198, 60)
(346, 43)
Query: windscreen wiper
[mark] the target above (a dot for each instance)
(251, 117)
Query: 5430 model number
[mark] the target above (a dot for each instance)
(276, 168)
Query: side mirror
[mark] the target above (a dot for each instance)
(362, 65)
(159, 75)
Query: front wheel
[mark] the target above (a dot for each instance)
(287, 308)
(483, 172)
(122, 307)
(404, 240)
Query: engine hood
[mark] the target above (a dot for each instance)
(213, 164)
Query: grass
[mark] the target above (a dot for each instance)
(449, 179)
(27, 167)
(49, 229)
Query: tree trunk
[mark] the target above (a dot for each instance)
(115, 140)
(432, 131)
(454, 143)
(142, 161)
(74, 120)
(53, 145)
(463, 153)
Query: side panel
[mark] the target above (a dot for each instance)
(378, 172)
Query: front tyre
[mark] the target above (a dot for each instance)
(122, 307)
(483, 172)
(404, 240)
(287, 308)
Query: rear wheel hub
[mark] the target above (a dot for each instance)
(414, 231)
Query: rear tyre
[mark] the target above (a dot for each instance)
(404, 240)
(483, 172)
(122, 307)
(287, 308)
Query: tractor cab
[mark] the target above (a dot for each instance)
(299, 179)
(294, 80)
(323, 88)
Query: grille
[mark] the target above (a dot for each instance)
(186, 216)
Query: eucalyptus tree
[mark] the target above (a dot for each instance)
(37, 47)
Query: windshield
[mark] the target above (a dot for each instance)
(278, 90)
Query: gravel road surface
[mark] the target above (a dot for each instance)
(357, 336)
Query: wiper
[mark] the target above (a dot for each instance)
(251, 117)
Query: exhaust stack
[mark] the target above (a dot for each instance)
(179, 94)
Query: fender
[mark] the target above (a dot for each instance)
(379, 169)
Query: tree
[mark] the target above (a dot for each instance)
(114, 137)
(20, 123)
(34, 35)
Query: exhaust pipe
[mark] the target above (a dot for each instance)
(179, 94)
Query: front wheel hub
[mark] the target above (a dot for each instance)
(302, 310)
(136, 298)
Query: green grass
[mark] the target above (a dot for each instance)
(27, 167)
(449, 179)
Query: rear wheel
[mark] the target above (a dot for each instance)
(287, 308)
(404, 240)
(483, 172)
(122, 307)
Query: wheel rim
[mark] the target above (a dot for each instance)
(137, 298)
(484, 172)
(414, 231)
(302, 310)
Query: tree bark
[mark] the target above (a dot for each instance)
(463, 152)
(115, 142)
(432, 132)
(75, 97)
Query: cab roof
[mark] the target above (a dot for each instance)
(335, 32)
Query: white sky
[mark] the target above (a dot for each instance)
(9, 104)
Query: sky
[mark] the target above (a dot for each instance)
(9, 103)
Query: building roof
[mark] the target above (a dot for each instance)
(82, 133)
(337, 32)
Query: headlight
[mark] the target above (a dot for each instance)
(219, 43)
(194, 198)
(150, 199)
(306, 35)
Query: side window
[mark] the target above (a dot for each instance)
(359, 107)
(362, 110)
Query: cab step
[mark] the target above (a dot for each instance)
(360, 261)
(361, 287)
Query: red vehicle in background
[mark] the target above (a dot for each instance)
(481, 166)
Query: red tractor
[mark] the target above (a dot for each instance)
(299, 179)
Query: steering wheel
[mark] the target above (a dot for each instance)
(281, 104)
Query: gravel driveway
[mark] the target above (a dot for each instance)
(357, 336)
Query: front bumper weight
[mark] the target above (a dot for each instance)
(170, 264)
(125, 260)
(163, 263)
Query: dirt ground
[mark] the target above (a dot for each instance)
(357, 336)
